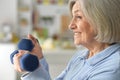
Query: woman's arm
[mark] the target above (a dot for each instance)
(42, 73)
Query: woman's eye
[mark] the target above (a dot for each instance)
(79, 17)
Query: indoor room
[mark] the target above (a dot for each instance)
(59, 39)
(47, 20)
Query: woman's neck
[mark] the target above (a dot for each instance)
(96, 48)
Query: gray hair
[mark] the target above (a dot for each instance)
(104, 16)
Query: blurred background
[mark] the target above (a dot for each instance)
(47, 20)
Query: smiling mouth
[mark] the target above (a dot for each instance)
(77, 34)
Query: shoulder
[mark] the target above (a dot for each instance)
(110, 63)
(109, 68)
(110, 58)
(114, 60)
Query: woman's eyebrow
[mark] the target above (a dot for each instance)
(76, 11)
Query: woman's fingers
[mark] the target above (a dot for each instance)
(37, 50)
(16, 60)
(32, 38)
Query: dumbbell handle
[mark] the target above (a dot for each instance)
(12, 55)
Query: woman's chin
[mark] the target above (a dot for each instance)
(77, 43)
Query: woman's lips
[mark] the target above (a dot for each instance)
(76, 34)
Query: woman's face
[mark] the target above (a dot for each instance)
(83, 32)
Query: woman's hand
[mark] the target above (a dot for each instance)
(16, 60)
(37, 50)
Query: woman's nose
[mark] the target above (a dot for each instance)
(72, 25)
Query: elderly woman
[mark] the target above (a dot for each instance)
(96, 25)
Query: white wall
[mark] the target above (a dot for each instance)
(7, 71)
(8, 12)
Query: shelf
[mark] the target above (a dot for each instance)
(25, 11)
(52, 9)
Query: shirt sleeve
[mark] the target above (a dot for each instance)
(42, 73)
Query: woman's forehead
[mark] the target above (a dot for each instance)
(76, 7)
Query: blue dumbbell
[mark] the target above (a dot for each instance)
(28, 61)
(12, 55)
(25, 44)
